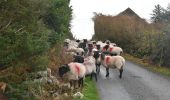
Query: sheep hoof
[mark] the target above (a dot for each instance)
(107, 75)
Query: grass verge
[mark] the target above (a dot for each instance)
(90, 91)
(146, 64)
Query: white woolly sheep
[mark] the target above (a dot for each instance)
(89, 63)
(71, 48)
(75, 72)
(107, 41)
(101, 46)
(78, 51)
(114, 50)
(113, 44)
(113, 62)
(71, 42)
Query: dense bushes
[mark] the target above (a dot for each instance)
(161, 53)
(128, 32)
(29, 29)
(136, 36)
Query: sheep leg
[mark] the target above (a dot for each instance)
(74, 83)
(121, 71)
(82, 53)
(71, 83)
(107, 72)
(98, 69)
(91, 76)
(95, 74)
(80, 82)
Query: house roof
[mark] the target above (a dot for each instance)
(128, 12)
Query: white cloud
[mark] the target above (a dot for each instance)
(82, 25)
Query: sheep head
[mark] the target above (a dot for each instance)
(94, 42)
(66, 44)
(106, 47)
(78, 58)
(96, 54)
(77, 41)
(102, 56)
(63, 70)
(98, 47)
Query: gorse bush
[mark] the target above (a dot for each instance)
(29, 29)
(22, 33)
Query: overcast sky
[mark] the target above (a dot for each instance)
(82, 25)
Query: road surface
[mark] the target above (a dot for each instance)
(137, 83)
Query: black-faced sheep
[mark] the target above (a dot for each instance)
(75, 72)
(113, 62)
(78, 58)
(98, 61)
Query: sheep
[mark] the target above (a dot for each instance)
(98, 61)
(77, 41)
(105, 49)
(100, 45)
(72, 43)
(90, 48)
(78, 51)
(113, 44)
(94, 42)
(75, 71)
(113, 62)
(89, 63)
(78, 58)
(67, 40)
(107, 41)
(114, 50)
(71, 48)
(82, 45)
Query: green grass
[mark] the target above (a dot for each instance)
(146, 64)
(90, 91)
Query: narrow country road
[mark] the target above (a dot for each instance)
(137, 83)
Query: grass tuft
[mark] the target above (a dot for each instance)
(90, 91)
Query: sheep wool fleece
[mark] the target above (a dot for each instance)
(77, 70)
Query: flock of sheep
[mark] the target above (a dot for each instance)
(88, 57)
